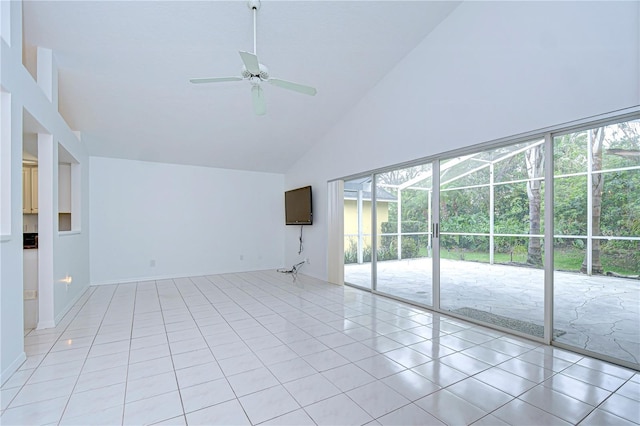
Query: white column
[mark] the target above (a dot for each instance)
(360, 228)
(491, 213)
(47, 227)
(399, 224)
(589, 201)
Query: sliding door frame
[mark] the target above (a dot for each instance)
(547, 134)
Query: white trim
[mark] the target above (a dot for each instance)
(66, 233)
(12, 368)
(4, 237)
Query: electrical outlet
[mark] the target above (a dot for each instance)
(306, 260)
(152, 263)
(30, 294)
(242, 257)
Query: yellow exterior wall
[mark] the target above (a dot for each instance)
(351, 219)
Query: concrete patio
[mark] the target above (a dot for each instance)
(597, 313)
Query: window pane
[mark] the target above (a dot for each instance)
(404, 265)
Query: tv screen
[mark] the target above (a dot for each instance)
(297, 206)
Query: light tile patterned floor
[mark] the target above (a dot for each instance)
(258, 348)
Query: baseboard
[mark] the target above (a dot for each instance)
(45, 324)
(4, 376)
(171, 276)
(51, 324)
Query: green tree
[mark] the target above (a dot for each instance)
(534, 160)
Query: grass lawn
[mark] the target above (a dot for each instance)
(564, 259)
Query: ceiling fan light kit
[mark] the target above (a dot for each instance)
(257, 73)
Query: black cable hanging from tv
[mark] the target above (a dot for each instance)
(300, 250)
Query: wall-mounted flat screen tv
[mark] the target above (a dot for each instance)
(297, 206)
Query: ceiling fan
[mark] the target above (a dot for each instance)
(256, 73)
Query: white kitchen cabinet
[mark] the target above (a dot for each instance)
(30, 189)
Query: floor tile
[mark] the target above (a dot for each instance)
(152, 367)
(153, 410)
(410, 384)
(197, 374)
(621, 406)
(600, 417)
(520, 413)
(107, 417)
(379, 366)
(174, 421)
(227, 413)
(575, 388)
(526, 370)
(480, 394)
(44, 390)
(308, 344)
(276, 354)
(252, 381)
(83, 403)
(355, 351)
(409, 415)
(149, 386)
(43, 412)
(101, 378)
(407, 357)
(348, 376)
(558, 404)
(594, 377)
(439, 373)
(382, 344)
(337, 410)
(377, 399)
(325, 360)
(292, 369)
(486, 355)
(206, 394)
(56, 371)
(268, 403)
(294, 418)
(449, 408)
(505, 381)
(630, 390)
(311, 389)
(190, 359)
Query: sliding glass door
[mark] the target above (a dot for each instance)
(403, 224)
(491, 237)
(475, 238)
(358, 241)
(597, 240)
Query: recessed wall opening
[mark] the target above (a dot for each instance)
(68, 191)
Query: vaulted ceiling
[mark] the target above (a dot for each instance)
(124, 70)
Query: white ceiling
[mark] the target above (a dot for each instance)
(124, 70)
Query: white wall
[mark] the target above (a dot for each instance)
(62, 258)
(189, 220)
(490, 70)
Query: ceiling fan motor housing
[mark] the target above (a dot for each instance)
(263, 75)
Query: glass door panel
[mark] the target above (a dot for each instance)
(597, 240)
(357, 232)
(403, 224)
(491, 237)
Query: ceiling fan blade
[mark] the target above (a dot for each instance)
(214, 80)
(259, 103)
(300, 88)
(250, 62)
